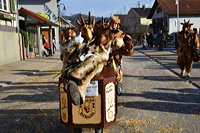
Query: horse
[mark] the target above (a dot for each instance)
(188, 41)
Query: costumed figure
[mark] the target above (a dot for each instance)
(86, 27)
(188, 43)
(66, 49)
(95, 56)
(74, 46)
(80, 75)
(122, 45)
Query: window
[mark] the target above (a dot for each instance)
(159, 10)
(4, 5)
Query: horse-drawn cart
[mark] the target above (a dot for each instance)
(99, 109)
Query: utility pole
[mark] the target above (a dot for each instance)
(138, 4)
(124, 9)
(150, 2)
(178, 24)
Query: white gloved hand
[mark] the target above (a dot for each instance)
(79, 38)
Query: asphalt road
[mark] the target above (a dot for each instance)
(154, 100)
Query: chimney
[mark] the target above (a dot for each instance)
(143, 7)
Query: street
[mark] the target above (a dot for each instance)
(154, 100)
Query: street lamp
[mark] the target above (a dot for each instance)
(177, 4)
(59, 20)
(59, 8)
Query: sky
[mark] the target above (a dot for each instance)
(101, 8)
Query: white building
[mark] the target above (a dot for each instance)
(9, 42)
(164, 15)
(39, 17)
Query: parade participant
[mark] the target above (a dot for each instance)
(80, 75)
(195, 52)
(122, 45)
(83, 71)
(86, 27)
(77, 46)
(188, 41)
(67, 35)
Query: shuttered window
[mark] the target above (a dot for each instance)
(12, 6)
(4, 5)
(1, 6)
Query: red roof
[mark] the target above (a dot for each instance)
(186, 7)
(41, 19)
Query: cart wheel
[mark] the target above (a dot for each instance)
(119, 88)
(98, 130)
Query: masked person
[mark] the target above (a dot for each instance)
(122, 45)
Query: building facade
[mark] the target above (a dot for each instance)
(136, 20)
(9, 41)
(164, 15)
(34, 26)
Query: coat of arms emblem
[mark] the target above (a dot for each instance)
(87, 110)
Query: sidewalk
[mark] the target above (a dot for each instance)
(168, 58)
(19, 70)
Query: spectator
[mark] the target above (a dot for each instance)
(150, 40)
(54, 45)
(161, 40)
(46, 45)
(176, 41)
(144, 42)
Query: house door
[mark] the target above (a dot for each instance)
(46, 33)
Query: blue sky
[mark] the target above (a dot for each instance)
(100, 8)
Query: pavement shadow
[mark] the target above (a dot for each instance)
(35, 83)
(135, 58)
(155, 78)
(187, 90)
(31, 121)
(185, 102)
(164, 107)
(31, 93)
(34, 72)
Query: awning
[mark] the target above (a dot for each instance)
(34, 18)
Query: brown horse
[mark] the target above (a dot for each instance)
(188, 41)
